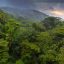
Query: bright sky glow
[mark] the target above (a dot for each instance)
(58, 12)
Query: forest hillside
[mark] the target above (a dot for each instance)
(24, 42)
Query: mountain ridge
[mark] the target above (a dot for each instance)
(29, 14)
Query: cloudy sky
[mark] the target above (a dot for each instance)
(50, 7)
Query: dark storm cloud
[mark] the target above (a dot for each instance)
(61, 1)
(30, 3)
(36, 1)
(27, 3)
(21, 3)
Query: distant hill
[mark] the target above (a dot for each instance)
(28, 14)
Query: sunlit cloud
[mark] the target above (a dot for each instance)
(57, 12)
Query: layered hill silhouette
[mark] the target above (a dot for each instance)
(28, 14)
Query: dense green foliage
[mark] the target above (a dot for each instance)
(31, 42)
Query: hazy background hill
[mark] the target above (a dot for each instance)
(27, 14)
